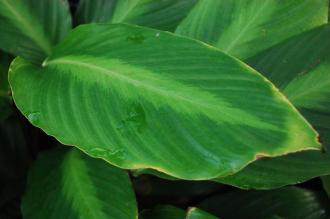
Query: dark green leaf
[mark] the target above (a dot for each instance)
(300, 66)
(29, 28)
(245, 27)
(164, 14)
(288, 203)
(151, 99)
(195, 213)
(163, 212)
(68, 184)
(326, 184)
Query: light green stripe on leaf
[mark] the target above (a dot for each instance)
(142, 98)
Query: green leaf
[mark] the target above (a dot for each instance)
(326, 184)
(164, 14)
(68, 184)
(171, 212)
(29, 28)
(300, 67)
(289, 203)
(178, 108)
(245, 27)
(195, 213)
(163, 212)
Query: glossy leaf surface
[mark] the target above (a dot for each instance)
(68, 184)
(245, 27)
(171, 212)
(147, 111)
(29, 28)
(289, 203)
(164, 14)
(195, 213)
(300, 66)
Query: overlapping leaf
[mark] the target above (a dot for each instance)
(150, 99)
(300, 67)
(29, 28)
(68, 184)
(245, 27)
(164, 14)
(290, 203)
(171, 212)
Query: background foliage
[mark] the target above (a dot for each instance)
(218, 97)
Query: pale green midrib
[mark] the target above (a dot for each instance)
(131, 81)
(306, 92)
(38, 38)
(129, 10)
(245, 28)
(71, 165)
(224, 113)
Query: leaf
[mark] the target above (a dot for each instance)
(195, 213)
(148, 111)
(163, 212)
(326, 184)
(68, 184)
(302, 72)
(29, 28)
(243, 28)
(171, 212)
(289, 203)
(164, 14)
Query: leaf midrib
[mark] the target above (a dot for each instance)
(38, 38)
(245, 28)
(220, 110)
(72, 163)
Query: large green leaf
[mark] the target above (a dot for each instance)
(245, 27)
(150, 99)
(29, 28)
(68, 184)
(164, 14)
(288, 203)
(300, 67)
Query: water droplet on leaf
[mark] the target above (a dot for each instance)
(34, 117)
(136, 38)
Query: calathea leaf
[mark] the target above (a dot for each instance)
(171, 212)
(29, 28)
(302, 72)
(68, 184)
(165, 14)
(290, 203)
(243, 28)
(151, 99)
(195, 213)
